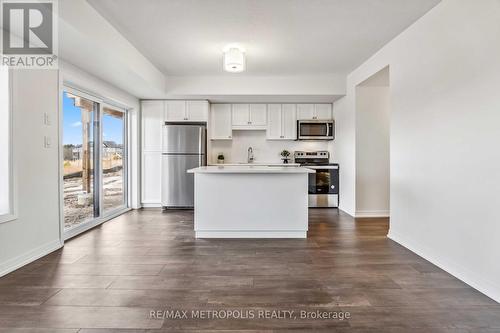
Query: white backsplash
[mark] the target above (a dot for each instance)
(264, 151)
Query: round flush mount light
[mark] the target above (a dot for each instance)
(234, 59)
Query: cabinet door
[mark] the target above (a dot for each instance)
(274, 122)
(305, 112)
(241, 115)
(152, 123)
(175, 111)
(197, 110)
(151, 178)
(221, 125)
(323, 111)
(258, 115)
(289, 123)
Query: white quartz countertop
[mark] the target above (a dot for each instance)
(257, 164)
(250, 169)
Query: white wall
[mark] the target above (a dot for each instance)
(90, 42)
(36, 232)
(372, 151)
(445, 79)
(344, 148)
(284, 86)
(265, 151)
(78, 78)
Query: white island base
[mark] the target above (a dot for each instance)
(250, 202)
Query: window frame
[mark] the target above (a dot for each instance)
(12, 214)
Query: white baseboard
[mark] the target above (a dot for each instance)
(372, 213)
(151, 205)
(28, 257)
(473, 279)
(251, 234)
(348, 212)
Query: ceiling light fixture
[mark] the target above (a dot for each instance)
(234, 59)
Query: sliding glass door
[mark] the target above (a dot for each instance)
(79, 122)
(113, 158)
(94, 161)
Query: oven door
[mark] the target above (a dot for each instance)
(315, 130)
(325, 180)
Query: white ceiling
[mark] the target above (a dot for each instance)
(281, 37)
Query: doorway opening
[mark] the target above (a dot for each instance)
(373, 145)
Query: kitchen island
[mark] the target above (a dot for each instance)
(250, 201)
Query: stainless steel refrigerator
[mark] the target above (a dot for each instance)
(184, 148)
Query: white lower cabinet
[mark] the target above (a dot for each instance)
(221, 122)
(151, 179)
(281, 122)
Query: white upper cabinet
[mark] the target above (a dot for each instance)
(175, 111)
(249, 116)
(221, 124)
(258, 115)
(305, 111)
(281, 122)
(314, 111)
(241, 115)
(274, 122)
(323, 111)
(289, 121)
(197, 110)
(186, 111)
(152, 124)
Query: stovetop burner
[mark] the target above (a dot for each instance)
(312, 157)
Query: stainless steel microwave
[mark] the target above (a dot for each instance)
(315, 130)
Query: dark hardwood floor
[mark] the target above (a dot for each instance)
(111, 278)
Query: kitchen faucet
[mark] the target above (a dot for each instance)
(250, 157)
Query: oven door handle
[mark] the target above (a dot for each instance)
(326, 167)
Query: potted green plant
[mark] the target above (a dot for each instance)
(285, 156)
(220, 158)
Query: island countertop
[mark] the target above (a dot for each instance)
(250, 169)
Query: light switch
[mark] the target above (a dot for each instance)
(47, 142)
(46, 119)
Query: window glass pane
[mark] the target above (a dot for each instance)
(79, 115)
(5, 181)
(113, 159)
